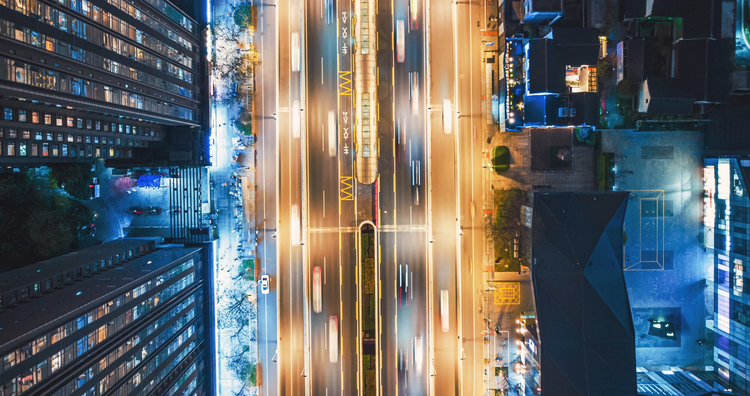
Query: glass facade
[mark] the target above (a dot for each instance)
(726, 224)
(128, 344)
(138, 62)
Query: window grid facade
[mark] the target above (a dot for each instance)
(725, 217)
(162, 319)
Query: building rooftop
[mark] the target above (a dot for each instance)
(666, 96)
(698, 62)
(30, 274)
(53, 309)
(583, 313)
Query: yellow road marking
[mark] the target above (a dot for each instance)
(394, 288)
(381, 292)
(345, 85)
(507, 293)
(394, 147)
(395, 325)
(381, 324)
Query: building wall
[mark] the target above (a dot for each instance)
(146, 337)
(726, 207)
(132, 63)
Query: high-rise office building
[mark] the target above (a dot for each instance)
(121, 318)
(84, 79)
(725, 218)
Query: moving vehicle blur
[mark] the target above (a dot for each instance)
(414, 14)
(414, 92)
(295, 52)
(330, 12)
(333, 339)
(400, 41)
(444, 315)
(447, 116)
(332, 146)
(317, 296)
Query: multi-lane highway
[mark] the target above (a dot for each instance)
(330, 200)
(309, 199)
(402, 198)
(291, 140)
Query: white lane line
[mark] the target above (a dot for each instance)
(324, 203)
(324, 270)
(321, 70)
(322, 137)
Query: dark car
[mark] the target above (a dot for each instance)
(154, 210)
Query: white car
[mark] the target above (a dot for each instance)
(265, 282)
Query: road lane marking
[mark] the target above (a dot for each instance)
(395, 324)
(380, 282)
(345, 85)
(324, 270)
(381, 324)
(321, 70)
(324, 203)
(322, 137)
(394, 289)
(346, 190)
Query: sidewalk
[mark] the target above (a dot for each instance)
(234, 199)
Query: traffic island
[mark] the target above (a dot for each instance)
(368, 309)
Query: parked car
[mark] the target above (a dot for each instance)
(137, 210)
(154, 210)
(265, 280)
